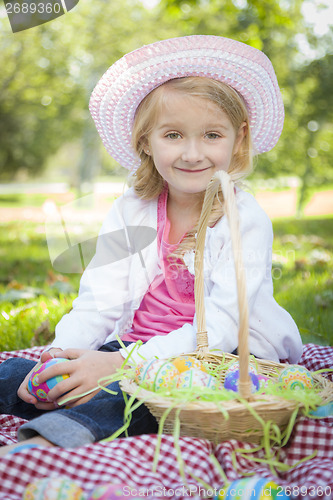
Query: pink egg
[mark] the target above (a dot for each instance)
(40, 391)
(263, 381)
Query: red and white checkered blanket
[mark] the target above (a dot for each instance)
(130, 460)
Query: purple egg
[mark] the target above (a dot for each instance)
(231, 381)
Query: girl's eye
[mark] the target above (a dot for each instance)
(212, 135)
(173, 135)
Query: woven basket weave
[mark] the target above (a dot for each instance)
(205, 419)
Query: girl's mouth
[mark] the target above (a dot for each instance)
(192, 171)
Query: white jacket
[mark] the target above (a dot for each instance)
(118, 276)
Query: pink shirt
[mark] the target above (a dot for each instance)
(169, 301)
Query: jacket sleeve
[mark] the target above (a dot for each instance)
(267, 339)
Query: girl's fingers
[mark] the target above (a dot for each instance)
(64, 368)
(70, 353)
(46, 406)
(63, 387)
(50, 354)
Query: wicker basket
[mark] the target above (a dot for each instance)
(204, 419)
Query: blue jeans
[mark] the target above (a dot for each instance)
(69, 428)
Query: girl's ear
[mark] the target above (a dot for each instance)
(146, 148)
(242, 132)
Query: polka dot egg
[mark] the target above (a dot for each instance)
(40, 391)
(263, 381)
(156, 374)
(253, 488)
(56, 488)
(296, 377)
(197, 378)
(184, 363)
(232, 379)
(112, 492)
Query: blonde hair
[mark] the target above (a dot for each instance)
(147, 181)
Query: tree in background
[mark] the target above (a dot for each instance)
(50, 71)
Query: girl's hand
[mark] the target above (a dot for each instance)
(84, 368)
(23, 392)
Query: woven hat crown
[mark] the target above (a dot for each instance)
(126, 83)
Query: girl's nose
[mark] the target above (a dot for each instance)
(192, 152)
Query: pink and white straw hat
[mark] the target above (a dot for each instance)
(125, 84)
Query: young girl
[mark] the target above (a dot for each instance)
(174, 113)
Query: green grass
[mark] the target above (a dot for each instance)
(33, 297)
(22, 200)
(303, 275)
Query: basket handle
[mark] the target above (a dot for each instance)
(231, 211)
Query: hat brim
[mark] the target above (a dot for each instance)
(127, 82)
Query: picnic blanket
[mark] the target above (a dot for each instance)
(130, 460)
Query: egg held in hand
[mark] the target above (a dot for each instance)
(40, 391)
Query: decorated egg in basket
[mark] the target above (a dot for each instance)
(252, 488)
(40, 391)
(184, 363)
(263, 381)
(296, 377)
(59, 488)
(235, 366)
(195, 377)
(232, 379)
(155, 374)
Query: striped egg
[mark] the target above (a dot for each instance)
(58, 488)
(156, 374)
(197, 378)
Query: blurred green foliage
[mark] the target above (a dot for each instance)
(33, 297)
(48, 73)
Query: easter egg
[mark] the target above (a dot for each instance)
(40, 391)
(156, 374)
(112, 492)
(184, 363)
(296, 377)
(235, 366)
(197, 378)
(263, 381)
(252, 488)
(231, 381)
(58, 488)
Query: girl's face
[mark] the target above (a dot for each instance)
(192, 139)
